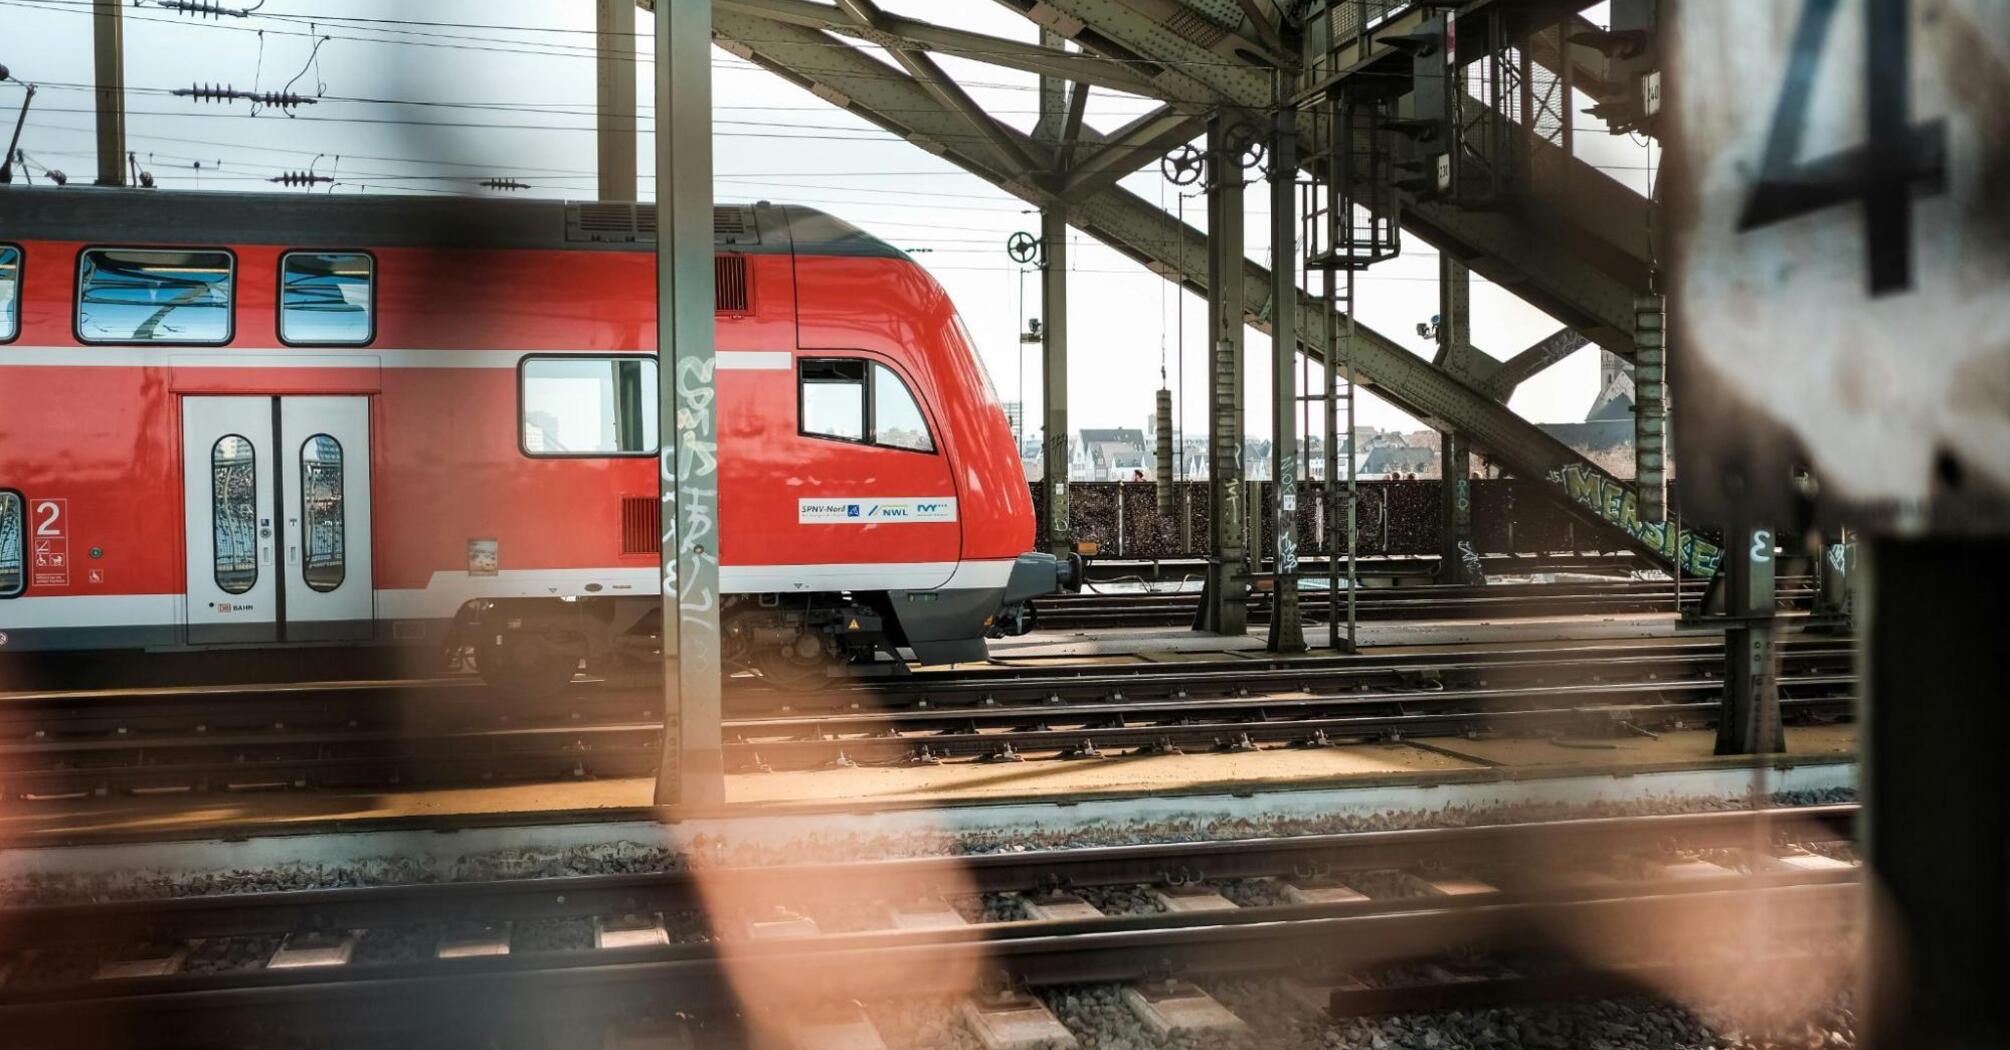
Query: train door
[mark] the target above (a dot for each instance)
(324, 464)
(276, 501)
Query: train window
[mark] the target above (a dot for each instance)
(129, 295)
(588, 406)
(233, 493)
(833, 398)
(326, 298)
(896, 419)
(323, 526)
(13, 551)
(10, 292)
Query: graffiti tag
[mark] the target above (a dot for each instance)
(1618, 506)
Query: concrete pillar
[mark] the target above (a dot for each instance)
(109, 55)
(692, 770)
(1223, 607)
(1287, 632)
(614, 81)
(1054, 376)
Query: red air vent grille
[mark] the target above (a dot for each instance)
(641, 525)
(730, 278)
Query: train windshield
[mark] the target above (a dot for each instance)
(141, 296)
(983, 372)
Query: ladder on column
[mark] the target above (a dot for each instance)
(1351, 222)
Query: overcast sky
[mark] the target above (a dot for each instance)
(428, 97)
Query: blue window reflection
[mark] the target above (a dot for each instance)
(324, 297)
(10, 291)
(129, 295)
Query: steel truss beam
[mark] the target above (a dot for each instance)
(1131, 147)
(1518, 369)
(1144, 232)
(895, 32)
(1538, 254)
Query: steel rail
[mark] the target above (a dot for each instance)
(583, 896)
(453, 994)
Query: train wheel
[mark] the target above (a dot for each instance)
(801, 665)
(525, 666)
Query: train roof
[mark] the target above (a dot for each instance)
(136, 216)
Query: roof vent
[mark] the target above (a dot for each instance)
(636, 223)
(735, 224)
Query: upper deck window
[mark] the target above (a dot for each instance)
(133, 295)
(327, 298)
(10, 292)
(588, 406)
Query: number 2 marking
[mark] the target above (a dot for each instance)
(1880, 173)
(48, 525)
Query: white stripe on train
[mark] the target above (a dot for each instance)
(326, 357)
(447, 591)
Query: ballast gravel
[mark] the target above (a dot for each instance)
(624, 857)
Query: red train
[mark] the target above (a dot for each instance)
(264, 420)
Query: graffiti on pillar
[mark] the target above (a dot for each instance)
(1619, 505)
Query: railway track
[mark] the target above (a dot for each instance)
(471, 958)
(1420, 602)
(69, 746)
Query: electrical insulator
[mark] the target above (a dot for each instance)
(207, 8)
(226, 93)
(299, 178)
(504, 184)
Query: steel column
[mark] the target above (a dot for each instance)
(110, 56)
(1750, 722)
(614, 85)
(1287, 633)
(692, 770)
(1223, 606)
(1937, 793)
(1054, 375)
(1455, 460)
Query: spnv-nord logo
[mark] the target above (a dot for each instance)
(851, 510)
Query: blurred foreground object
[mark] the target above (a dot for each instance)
(1840, 252)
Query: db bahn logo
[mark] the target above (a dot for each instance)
(874, 511)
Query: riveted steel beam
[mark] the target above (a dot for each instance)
(1131, 147)
(897, 31)
(922, 68)
(1545, 352)
(854, 81)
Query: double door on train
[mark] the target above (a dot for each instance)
(276, 503)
